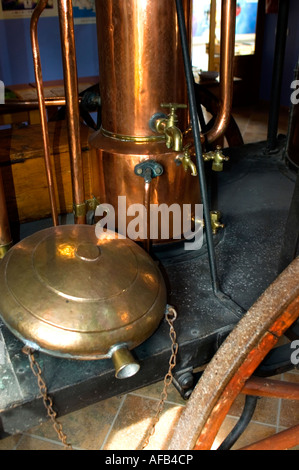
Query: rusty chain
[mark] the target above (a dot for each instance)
(47, 400)
(170, 316)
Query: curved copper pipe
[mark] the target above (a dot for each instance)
(5, 236)
(72, 103)
(41, 101)
(227, 52)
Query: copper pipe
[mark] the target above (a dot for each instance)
(19, 105)
(271, 388)
(283, 440)
(42, 108)
(72, 104)
(141, 63)
(5, 236)
(227, 52)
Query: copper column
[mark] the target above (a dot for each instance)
(72, 106)
(141, 67)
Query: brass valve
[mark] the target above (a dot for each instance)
(185, 160)
(215, 221)
(167, 125)
(172, 117)
(217, 157)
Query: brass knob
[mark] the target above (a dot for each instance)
(217, 157)
(215, 221)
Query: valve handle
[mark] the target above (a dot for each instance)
(173, 106)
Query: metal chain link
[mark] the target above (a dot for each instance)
(170, 316)
(47, 400)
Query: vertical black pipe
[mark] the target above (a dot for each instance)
(200, 164)
(279, 55)
(245, 418)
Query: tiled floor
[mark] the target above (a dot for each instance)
(121, 422)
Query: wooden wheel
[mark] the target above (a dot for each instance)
(229, 371)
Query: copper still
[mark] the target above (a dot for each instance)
(144, 105)
(105, 295)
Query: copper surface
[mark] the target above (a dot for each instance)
(20, 105)
(42, 108)
(141, 67)
(116, 162)
(72, 103)
(227, 52)
(141, 63)
(71, 294)
(283, 440)
(5, 236)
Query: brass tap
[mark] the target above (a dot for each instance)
(215, 221)
(167, 125)
(186, 161)
(217, 157)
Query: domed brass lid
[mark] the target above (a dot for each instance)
(70, 294)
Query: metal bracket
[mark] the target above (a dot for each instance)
(148, 169)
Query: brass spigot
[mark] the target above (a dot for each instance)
(167, 125)
(185, 160)
(215, 221)
(217, 157)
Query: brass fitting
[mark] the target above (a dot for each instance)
(215, 221)
(80, 210)
(167, 125)
(124, 363)
(186, 161)
(217, 157)
(4, 249)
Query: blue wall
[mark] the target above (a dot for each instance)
(16, 65)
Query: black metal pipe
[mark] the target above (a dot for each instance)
(277, 76)
(229, 303)
(244, 420)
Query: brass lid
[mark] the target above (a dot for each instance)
(70, 294)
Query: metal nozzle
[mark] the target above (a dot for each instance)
(123, 361)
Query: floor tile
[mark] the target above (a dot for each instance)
(134, 421)
(9, 443)
(31, 443)
(155, 390)
(289, 412)
(254, 432)
(86, 428)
